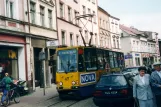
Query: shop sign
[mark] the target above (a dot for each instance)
(53, 43)
(137, 54)
(128, 56)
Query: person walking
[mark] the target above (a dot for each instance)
(142, 90)
(156, 83)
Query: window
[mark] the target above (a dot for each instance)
(42, 13)
(71, 39)
(111, 59)
(103, 24)
(63, 37)
(50, 18)
(113, 80)
(84, 10)
(94, 18)
(86, 36)
(32, 10)
(93, 1)
(90, 59)
(89, 11)
(61, 10)
(69, 14)
(115, 59)
(76, 21)
(100, 59)
(67, 61)
(100, 21)
(9, 9)
(77, 39)
(118, 44)
(114, 44)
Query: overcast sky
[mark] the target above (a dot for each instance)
(142, 14)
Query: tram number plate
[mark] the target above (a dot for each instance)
(112, 92)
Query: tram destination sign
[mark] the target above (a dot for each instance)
(88, 78)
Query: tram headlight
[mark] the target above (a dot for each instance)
(60, 83)
(73, 82)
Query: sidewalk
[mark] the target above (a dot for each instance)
(36, 97)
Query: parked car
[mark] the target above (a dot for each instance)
(113, 90)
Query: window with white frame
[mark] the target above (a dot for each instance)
(76, 21)
(32, 11)
(63, 37)
(84, 10)
(114, 44)
(50, 18)
(118, 44)
(69, 14)
(9, 9)
(42, 15)
(89, 11)
(61, 10)
(86, 36)
(77, 39)
(71, 39)
(94, 18)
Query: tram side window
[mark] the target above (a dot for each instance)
(100, 60)
(111, 59)
(80, 63)
(90, 59)
(115, 59)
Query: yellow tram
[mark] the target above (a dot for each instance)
(79, 68)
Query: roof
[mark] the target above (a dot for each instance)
(114, 17)
(101, 9)
(131, 31)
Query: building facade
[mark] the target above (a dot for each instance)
(115, 33)
(89, 24)
(13, 58)
(68, 26)
(25, 28)
(104, 28)
(138, 48)
(41, 16)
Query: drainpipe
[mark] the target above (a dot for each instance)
(56, 21)
(28, 14)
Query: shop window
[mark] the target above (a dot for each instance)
(9, 62)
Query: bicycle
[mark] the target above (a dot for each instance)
(10, 96)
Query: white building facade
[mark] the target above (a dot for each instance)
(68, 26)
(137, 48)
(41, 16)
(104, 28)
(115, 33)
(91, 24)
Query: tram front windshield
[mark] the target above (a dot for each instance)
(67, 61)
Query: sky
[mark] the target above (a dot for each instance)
(144, 15)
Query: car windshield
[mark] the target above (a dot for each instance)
(134, 70)
(67, 60)
(114, 80)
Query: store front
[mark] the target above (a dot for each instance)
(12, 57)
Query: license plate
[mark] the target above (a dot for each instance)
(112, 92)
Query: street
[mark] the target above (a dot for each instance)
(51, 99)
(56, 102)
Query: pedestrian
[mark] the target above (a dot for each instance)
(7, 81)
(142, 90)
(156, 83)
